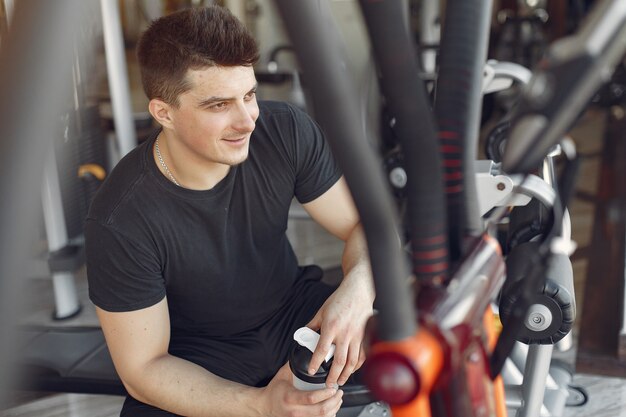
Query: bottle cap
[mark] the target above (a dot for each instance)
(301, 354)
(309, 339)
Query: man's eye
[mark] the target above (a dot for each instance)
(250, 95)
(220, 105)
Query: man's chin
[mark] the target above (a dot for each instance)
(237, 161)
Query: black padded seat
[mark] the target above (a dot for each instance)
(67, 359)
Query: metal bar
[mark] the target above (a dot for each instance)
(472, 287)
(430, 34)
(513, 396)
(519, 356)
(64, 285)
(54, 218)
(535, 377)
(8, 9)
(556, 398)
(117, 74)
(511, 374)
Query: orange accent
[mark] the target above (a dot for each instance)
(498, 386)
(497, 324)
(492, 333)
(93, 169)
(490, 328)
(425, 352)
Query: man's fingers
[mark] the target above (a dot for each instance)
(347, 359)
(352, 363)
(331, 406)
(322, 349)
(339, 362)
(310, 397)
(328, 407)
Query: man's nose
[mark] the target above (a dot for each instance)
(246, 117)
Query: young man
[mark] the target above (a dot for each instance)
(195, 283)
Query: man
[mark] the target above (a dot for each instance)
(195, 283)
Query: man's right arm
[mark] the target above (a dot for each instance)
(138, 342)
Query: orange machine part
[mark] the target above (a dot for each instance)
(426, 354)
(492, 332)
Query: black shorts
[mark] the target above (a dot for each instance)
(254, 357)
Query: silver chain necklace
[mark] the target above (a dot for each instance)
(167, 170)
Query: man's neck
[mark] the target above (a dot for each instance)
(185, 167)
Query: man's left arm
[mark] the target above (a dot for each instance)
(341, 320)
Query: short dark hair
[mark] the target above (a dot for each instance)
(193, 38)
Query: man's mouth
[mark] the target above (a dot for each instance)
(236, 141)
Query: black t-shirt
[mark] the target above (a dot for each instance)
(221, 256)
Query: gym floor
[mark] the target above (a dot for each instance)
(607, 396)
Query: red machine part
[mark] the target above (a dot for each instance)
(403, 372)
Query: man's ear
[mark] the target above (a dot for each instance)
(161, 111)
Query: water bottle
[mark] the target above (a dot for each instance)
(300, 357)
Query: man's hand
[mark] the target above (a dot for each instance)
(342, 318)
(341, 321)
(281, 399)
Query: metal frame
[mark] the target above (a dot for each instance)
(63, 282)
(33, 80)
(117, 73)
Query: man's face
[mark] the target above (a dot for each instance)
(216, 117)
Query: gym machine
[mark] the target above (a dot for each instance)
(51, 358)
(26, 121)
(436, 353)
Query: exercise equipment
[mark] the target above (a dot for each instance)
(37, 64)
(81, 361)
(550, 104)
(448, 361)
(60, 359)
(74, 169)
(64, 258)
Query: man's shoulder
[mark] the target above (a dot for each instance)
(120, 185)
(279, 117)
